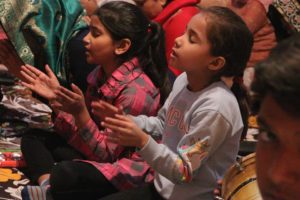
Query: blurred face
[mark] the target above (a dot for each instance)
(278, 153)
(99, 44)
(89, 5)
(152, 8)
(191, 51)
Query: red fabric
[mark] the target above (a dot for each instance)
(174, 19)
(130, 87)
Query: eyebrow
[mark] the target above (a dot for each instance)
(262, 123)
(93, 27)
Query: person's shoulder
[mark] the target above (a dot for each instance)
(142, 84)
(220, 98)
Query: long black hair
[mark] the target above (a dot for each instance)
(124, 20)
(230, 38)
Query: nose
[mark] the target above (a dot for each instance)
(177, 42)
(283, 170)
(87, 40)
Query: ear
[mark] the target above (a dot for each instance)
(162, 2)
(122, 46)
(217, 63)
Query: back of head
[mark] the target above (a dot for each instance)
(127, 21)
(231, 39)
(279, 76)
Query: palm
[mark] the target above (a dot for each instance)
(41, 83)
(45, 86)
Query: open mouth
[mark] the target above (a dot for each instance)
(173, 53)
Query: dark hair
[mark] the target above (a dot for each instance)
(230, 38)
(124, 20)
(279, 76)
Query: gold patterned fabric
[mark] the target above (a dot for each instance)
(40, 29)
(290, 10)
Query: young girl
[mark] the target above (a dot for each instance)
(132, 74)
(202, 120)
(255, 16)
(174, 16)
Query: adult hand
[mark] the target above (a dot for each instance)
(125, 131)
(41, 83)
(103, 109)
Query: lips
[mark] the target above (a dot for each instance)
(173, 53)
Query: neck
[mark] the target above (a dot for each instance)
(109, 68)
(197, 82)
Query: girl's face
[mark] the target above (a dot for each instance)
(100, 46)
(89, 5)
(152, 8)
(191, 51)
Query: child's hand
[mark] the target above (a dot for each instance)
(69, 101)
(41, 83)
(218, 190)
(72, 102)
(103, 109)
(125, 131)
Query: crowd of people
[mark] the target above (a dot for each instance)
(149, 98)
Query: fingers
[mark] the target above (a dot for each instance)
(63, 94)
(49, 71)
(119, 122)
(27, 84)
(123, 118)
(97, 109)
(97, 105)
(33, 70)
(76, 89)
(115, 128)
(27, 73)
(56, 105)
(109, 106)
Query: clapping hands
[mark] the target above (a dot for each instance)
(103, 109)
(39, 82)
(125, 131)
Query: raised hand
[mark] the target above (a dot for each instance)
(41, 83)
(73, 103)
(103, 109)
(125, 131)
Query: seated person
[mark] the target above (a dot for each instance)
(44, 33)
(277, 90)
(131, 73)
(254, 13)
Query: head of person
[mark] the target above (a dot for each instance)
(276, 88)
(152, 8)
(89, 5)
(119, 31)
(216, 43)
(234, 3)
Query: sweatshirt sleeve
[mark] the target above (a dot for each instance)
(154, 125)
(208, 129)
